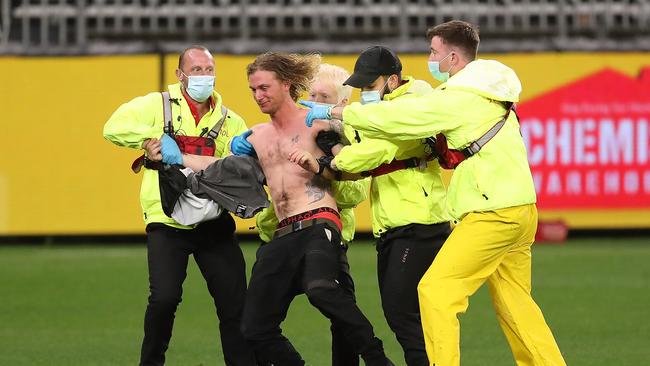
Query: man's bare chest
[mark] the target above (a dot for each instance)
(276, 147)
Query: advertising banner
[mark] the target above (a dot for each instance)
(589, 142)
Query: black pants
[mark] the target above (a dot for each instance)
(306, 261)
(219, 257)
(404, 254)
(343, 353)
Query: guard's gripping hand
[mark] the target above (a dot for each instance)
(171, 154)
(326, 140)
(316, 111)
(240, 146)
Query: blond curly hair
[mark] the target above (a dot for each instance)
(297, 70)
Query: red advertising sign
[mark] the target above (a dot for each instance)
(589, 142)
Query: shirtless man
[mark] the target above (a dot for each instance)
(304, 255)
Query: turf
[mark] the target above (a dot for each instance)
(83, 305)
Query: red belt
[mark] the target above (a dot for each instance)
(299, 225)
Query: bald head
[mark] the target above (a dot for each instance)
(193, 53)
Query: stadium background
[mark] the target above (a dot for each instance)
(60, 173)
(67, 64)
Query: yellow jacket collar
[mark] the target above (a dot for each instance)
(411, 86)
(488, 78)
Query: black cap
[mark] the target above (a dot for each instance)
(373, 63)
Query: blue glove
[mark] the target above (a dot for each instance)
(240, 146)
(316, 111)
(171, 154)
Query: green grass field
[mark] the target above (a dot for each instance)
(83, 305)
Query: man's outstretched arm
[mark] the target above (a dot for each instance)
(197, 162)
(400, 119)
(171, 154)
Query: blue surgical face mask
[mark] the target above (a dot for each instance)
(200, 87)
(434, 69)
(372, 96)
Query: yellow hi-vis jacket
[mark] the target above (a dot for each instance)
(348, 194)
(142, 118)
(463, 109)
(404, 196)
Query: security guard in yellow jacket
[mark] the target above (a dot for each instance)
(407, 200)
(195, 109)
(491, 194)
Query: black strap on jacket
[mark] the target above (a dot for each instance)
(167, 115)
(168, 128)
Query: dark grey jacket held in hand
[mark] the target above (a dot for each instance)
(236, 183)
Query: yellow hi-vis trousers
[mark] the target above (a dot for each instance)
(492, 246)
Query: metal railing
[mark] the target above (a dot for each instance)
(330, 26)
